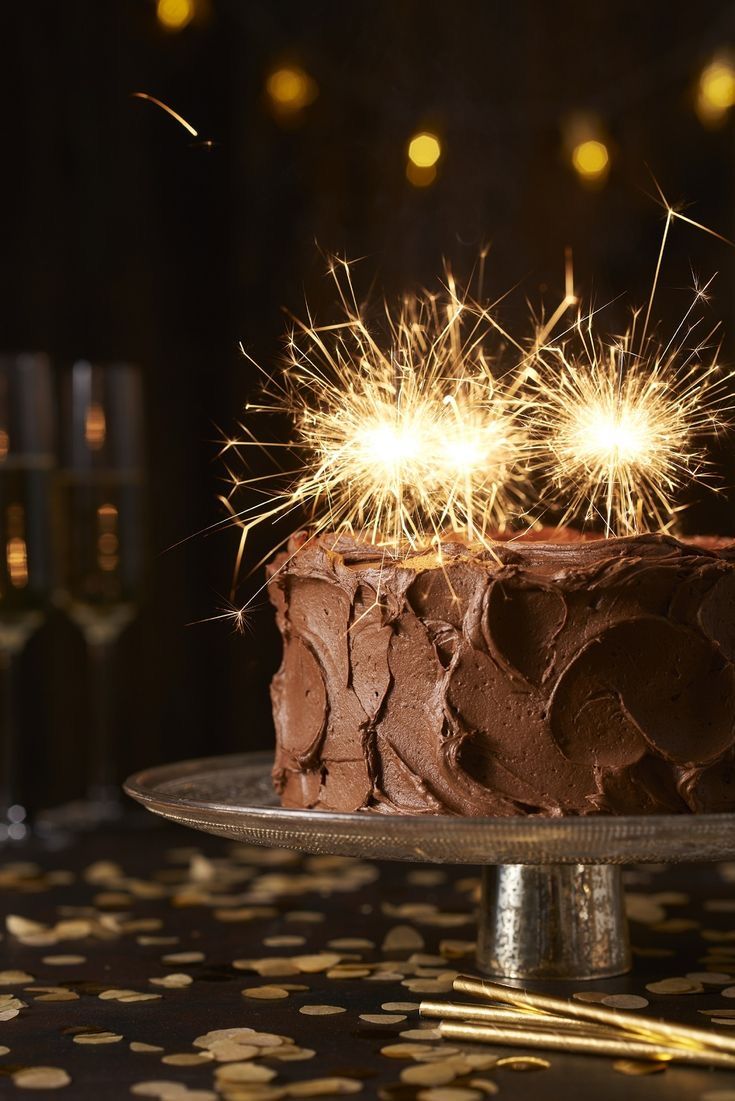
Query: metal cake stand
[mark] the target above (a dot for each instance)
(552, 899)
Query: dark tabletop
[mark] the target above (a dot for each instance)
(113, 904)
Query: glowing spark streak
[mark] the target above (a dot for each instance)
(169, 111)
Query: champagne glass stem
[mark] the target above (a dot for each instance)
(102, 786)
(13, 811)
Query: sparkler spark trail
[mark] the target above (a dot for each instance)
(169, 111)
(623, 427)
(397, 436)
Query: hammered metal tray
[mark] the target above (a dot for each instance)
(233, 797)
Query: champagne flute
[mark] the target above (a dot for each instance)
(26, 463)
(102, 554)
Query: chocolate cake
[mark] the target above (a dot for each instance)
(567, 677)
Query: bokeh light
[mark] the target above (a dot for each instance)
(591, 160)
(716, 92)
(290, 89)
(174, 15)
(424, 150)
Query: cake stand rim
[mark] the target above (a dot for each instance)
(296, 824)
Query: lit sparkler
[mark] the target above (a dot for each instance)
(399, 436)
(624, 424)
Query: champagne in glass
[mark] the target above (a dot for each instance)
(101, 507)
(26, 464)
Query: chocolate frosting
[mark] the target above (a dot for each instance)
(573, 676)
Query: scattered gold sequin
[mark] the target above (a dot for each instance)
(382, 1018)
(323, 1087)
(183, 957)
(638, 1067)
(286, 940)
(97, 1038)
(138, 1045)
(438, 1073)
(316, 962)
(265, 993)
(321, 1010)
(173, 981)
(13, 978)
(41, 1078)
(402, 938)
(272, 966)
(63, 961)
(350, 944)
(399, 1007)
(186, 1059)
(625, 1001)
(426, 1033)
(678, 985)
(484, 1085)
(449, 1093)
(230, 1073)
(523, 1063)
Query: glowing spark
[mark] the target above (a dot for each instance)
(399, 435)
(624, 429)
(169, 111)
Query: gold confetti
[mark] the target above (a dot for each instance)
(55, 994)
(625, 1001)
(275, 966)
(484, 1085)
(449, 1093)
(63, 961)
(350, 944)
(186, 1059)
(637, 1067)
(241, 1035)
(717, 978)
(406, 1051)
(265, 993)
(319, 961)
(286, 941)
(679, 985)
(13, 978)
(97, 1038)
(438, 1073)
(523, 1063)
(382, 1018)
(399, 1007)
(173, 981)
(402, 938)
(138, 1045)
(321, 1010)
(183, 957)
(242, 1072)
(427, 1033)
(323, 1087)
(41, 1078)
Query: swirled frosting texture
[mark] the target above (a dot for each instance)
(554, 678)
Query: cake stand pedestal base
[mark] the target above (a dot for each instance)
(552, 904)
(553, 921)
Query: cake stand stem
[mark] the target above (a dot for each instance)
(553, 921)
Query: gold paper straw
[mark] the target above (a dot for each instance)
(491, 1014)
(684, 1036)
(583, 1045)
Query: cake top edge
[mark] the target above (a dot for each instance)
(563, 546)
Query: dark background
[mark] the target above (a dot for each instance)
(122, 237)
